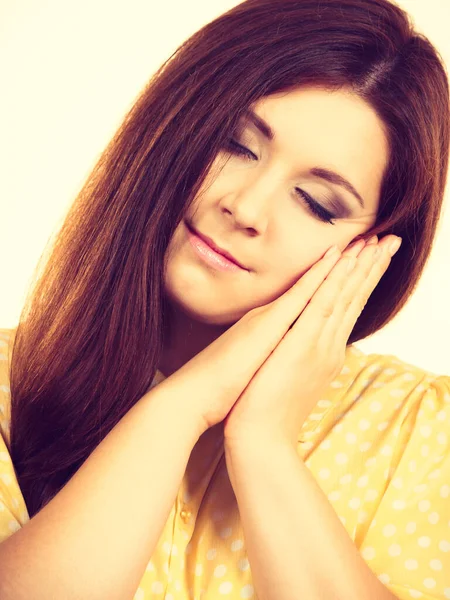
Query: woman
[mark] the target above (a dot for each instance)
(181, 425)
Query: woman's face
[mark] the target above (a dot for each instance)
(256, 207)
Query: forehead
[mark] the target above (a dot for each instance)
(315, 127)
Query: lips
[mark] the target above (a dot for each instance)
(215, 247)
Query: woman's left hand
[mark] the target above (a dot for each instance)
(288, 385)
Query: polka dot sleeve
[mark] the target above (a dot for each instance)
(13, 512)
(408, 542)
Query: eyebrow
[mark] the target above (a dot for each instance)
(320, 172)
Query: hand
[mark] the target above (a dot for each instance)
(288, 385)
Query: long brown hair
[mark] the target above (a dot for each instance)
(91, 331)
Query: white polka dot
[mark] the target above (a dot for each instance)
(225, 587)
(382, 426)
(364, 424)
(365, 446)
(336, 384)
(354, 503)
(6, 477)
(389, 530)
(370, 462)
(350, 438)
(211, 554)
(420, 488)
(386, 450)
(444, 545)
(384, 578)
(433, 518)
(375, 406)
(324, 403)
(398, 504)
(408, 376)
(424, 541)
(243, 564)
(368, 553)
(445, 491)
(199, 569)
(447, 592)
(325, 445)
(415, 593)
(429, 583)
(237, 545)
(341, 458)
(436, 564)
(397, 482)
(425, 430)
(411, 527)
(397, 393)
(424, 505)
(220, 571)
(371, 495)
(411, 564)
(435, 474)
(441, 415)
(442, 438)
(346, 478)
(217, 515)
(390, 371)
(150, 566)
(157, 587)
(324, 473)
(334, 495)
(139, 595)
(412, 465)
(247, 591)
(226, 532)
(362, 516)
(394, 550)
(362, 481)
(13, 526)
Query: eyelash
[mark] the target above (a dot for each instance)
(313, 206)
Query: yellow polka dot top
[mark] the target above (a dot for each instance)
(378, 444)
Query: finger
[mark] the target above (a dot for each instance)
(354, 290)
(312, 321)
(281, 312)
(349, 312)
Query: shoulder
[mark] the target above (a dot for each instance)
(374, 392)
(385, 384)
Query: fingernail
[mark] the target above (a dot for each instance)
(333, 251)
(372, 240)
(394, 246)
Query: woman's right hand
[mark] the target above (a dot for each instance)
(213, 380)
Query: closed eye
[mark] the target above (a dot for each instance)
(313, 206)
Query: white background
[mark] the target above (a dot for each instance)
(70, 72)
